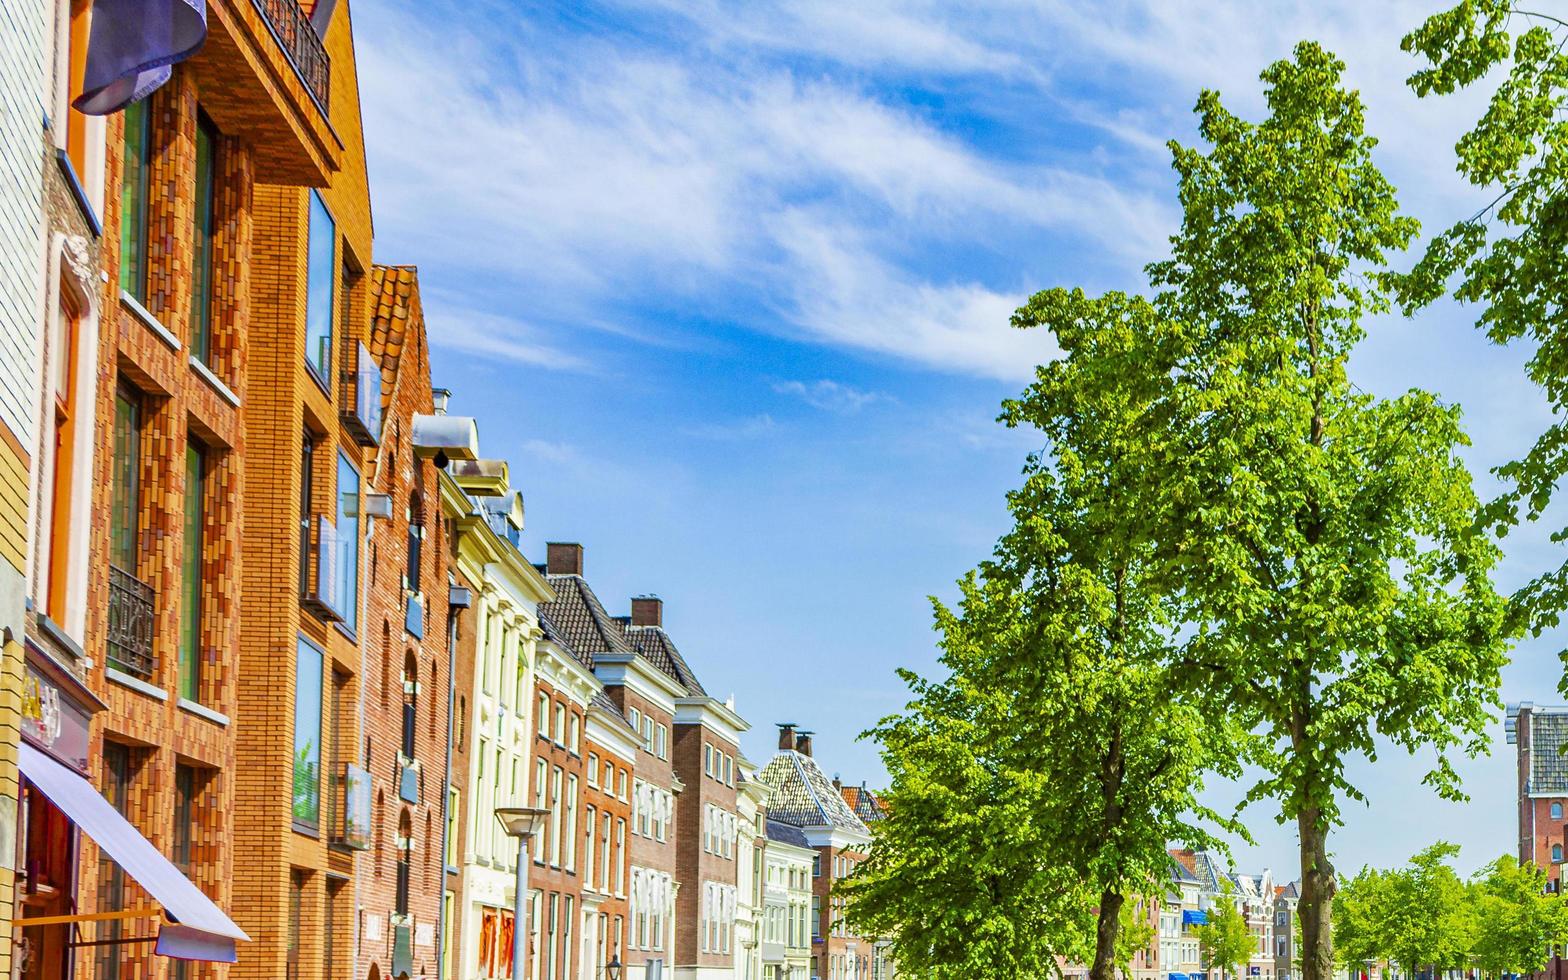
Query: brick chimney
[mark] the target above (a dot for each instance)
(787, 736)
(838, 784)
(647, 610)
(803, 743)
(563, 558)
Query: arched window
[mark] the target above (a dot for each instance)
(1557, 811)
(405, 856)
(386, 662)
(1557, 853)
(410, 687)
(381, 830)
(416, 540)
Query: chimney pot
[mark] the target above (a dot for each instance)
(647, 610)
(563, 558)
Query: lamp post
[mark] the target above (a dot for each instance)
(522, 822)
(613, 968)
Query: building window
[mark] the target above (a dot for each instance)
(117, 777)
(191, 571)
(307, 734)
(572, 734)
(707, 759)
(405, 862)
(416, 544)
(571, 823)
(295, 933)
(319, 304)
(134, 181)
(62, 346)
(590, 821)
(307, 482)
(560, 723)
(201, 242)
(660, 733)
(556, 780)
(125, 513)
(620, 856)
(592, 769)
(541, 774)
(1557, 811)
(348, 535)
(635, 717)
(542, 722)
(1557, 853)
(410, 687)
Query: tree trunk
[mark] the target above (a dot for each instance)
(1106, 931)
(1317, 896)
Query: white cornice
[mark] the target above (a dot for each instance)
(711, 713)
(633, 671)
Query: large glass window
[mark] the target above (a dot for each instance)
(318, 296)
(133, 200)
(201, 241)
(125, 510)
(348, 534)
(307, 734)
(190, 572)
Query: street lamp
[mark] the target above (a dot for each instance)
(522, 822)
(613, 968)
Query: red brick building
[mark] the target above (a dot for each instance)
(607, 824)
(403, 702)
(644, 695)
(1540, 732)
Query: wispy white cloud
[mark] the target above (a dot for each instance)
(830, 396)
(737, 430)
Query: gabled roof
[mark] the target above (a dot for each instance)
(578, 618)
(1291, 891)
(396, 319)
(803, 795)
(1180, 873)
(658, 649)
(866, 804)
(786, 833)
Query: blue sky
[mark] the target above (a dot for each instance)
(728, 284)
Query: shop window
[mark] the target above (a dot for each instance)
(308, 678)
(319, 305)
(135, 180)
(203, 231)
(191, 570)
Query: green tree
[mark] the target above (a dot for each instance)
(1428, 920)
(1339, 590)
(1226, 939)
(1058, 714)
(1516, 922)
(1361, 912)
(1511, 257)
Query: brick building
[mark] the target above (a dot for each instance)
(803, 797)
(399, 880)
(174, 189)
(1539, 733)
(301, 670)
(644, 692)
(612, 747)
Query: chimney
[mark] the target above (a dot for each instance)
(838, 784)
(438, 399)
(647, 610)
(803, 743)
(561, 558)
(786, 736)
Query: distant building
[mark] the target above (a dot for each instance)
(1285, 899)
(1540, 732)
(786, 929)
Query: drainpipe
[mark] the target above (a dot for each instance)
(457, 598)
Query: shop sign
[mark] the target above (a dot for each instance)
(51, 720)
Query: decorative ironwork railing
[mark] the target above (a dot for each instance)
(130, 623)
(298, 38)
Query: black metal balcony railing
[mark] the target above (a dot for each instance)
(130, 623)
(299, 40)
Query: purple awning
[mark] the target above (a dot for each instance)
(132, 46)
(203, 932)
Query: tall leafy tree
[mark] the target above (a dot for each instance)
(1338, 589)
(1516, 923)
(1510, 258)
(1058, 715)
(1226, 939)
(1428, 919)
(1361, 912)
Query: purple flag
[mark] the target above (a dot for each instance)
(133, 45)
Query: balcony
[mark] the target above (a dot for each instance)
(319, 555)
(362, 399)
(130, 624)
(301, 45)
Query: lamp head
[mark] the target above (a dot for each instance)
(613, 968)
(522, 821)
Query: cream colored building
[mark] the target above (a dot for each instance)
(750, 848)
(786, 903)
(492, 715)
